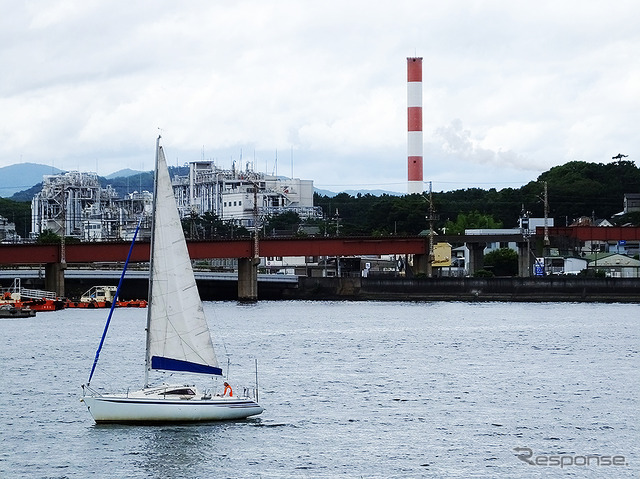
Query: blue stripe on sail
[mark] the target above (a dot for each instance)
(168, 364)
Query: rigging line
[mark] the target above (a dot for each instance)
(113, 304)
(220, 337)
(219, 334)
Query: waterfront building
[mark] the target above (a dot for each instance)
(71, 201)
(241, 196)
(74, 204)
(615, 265)
(631, 203)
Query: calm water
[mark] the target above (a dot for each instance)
(350, 390)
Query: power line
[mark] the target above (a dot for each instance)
(475, 183)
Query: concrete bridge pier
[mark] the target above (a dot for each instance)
(54, 278)
(421, 264)
(248, 279)
(524, 260)
(476, 257)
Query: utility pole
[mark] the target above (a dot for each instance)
(526, 234)
(431, 219)
(337, 218)
(256, 248)
(63, 203)
(546, 217)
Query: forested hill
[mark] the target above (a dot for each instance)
(575, 189)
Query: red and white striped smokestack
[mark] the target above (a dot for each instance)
(414, 138)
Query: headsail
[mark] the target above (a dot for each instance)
(178, 338)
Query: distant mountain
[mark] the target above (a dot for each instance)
(327, 193)
(138, 181)
(123, 173)
(331, 194)
(22, 176)
(20, 182)
(124, 185)
(27, 195)
(373, 192)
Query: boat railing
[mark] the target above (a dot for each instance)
(37, 294)
(88, 389)
(247, 392)
(251, 393)
(16, 288)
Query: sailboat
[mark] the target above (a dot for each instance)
(178, 338)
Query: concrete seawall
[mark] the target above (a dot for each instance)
(470, 289)
(273, 287)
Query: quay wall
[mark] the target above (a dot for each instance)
(551, 289)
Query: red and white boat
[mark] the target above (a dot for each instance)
(103, 297)
(34, 299)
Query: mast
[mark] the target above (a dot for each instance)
(147, 360)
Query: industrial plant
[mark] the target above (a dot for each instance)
(241, 196)
(74, 204)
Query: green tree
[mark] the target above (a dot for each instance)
(18, 212)
(471, 220)
(210, 226)
(503, 262)
(579, 188)
(47, 237)
(287, 221)
(366, 214)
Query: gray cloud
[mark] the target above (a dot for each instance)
(509, 90)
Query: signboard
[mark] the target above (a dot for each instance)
(538, 269)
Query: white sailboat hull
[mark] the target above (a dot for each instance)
(123, 409)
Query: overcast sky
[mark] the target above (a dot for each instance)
(510, 88)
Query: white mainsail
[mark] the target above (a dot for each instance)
(178, 338)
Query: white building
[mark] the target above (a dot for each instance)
(559, 265)
(241, 195)
(74, 204)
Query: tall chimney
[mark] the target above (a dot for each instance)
(414, 135)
